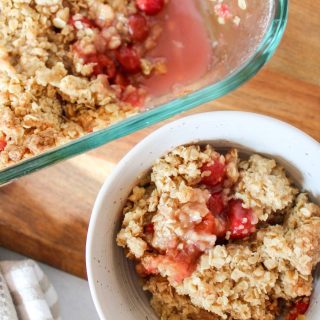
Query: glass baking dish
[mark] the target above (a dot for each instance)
(240, 57)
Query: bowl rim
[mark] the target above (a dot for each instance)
(264, 52)
(97, 208)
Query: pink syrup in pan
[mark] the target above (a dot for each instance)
(184, 44)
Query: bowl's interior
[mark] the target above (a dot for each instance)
(113, 283)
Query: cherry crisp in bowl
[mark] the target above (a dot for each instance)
(218, 218)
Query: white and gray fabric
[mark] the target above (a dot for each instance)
(26, 293)
(7, 309)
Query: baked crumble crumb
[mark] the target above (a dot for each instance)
(203, 233)
(65, 71)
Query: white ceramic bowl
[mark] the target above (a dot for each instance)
(114, 286)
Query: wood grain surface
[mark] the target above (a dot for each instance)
(45, 215)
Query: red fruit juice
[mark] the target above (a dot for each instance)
(184, 43)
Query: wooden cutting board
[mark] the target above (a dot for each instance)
(45, 215)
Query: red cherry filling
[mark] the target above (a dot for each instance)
(300, 308)
(242, 221)
(121, 80)
(3, 144)
(216, 173)
(133, 97)
(129, 59)
(149, 228)
(103, 64)
(120, 62)
(215, 222)
(150, 7)
(182, 262)
(207, 225)
(138, 27)
(179, 264)
(215, 203)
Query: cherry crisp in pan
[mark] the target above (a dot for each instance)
(69, 67)
(218, 237)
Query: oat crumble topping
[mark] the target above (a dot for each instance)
(69, 67)
(219, 237)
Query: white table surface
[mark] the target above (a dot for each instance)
(74, 295)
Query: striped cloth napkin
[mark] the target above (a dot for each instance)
(26, 293)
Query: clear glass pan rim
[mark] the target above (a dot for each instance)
(134, 123)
